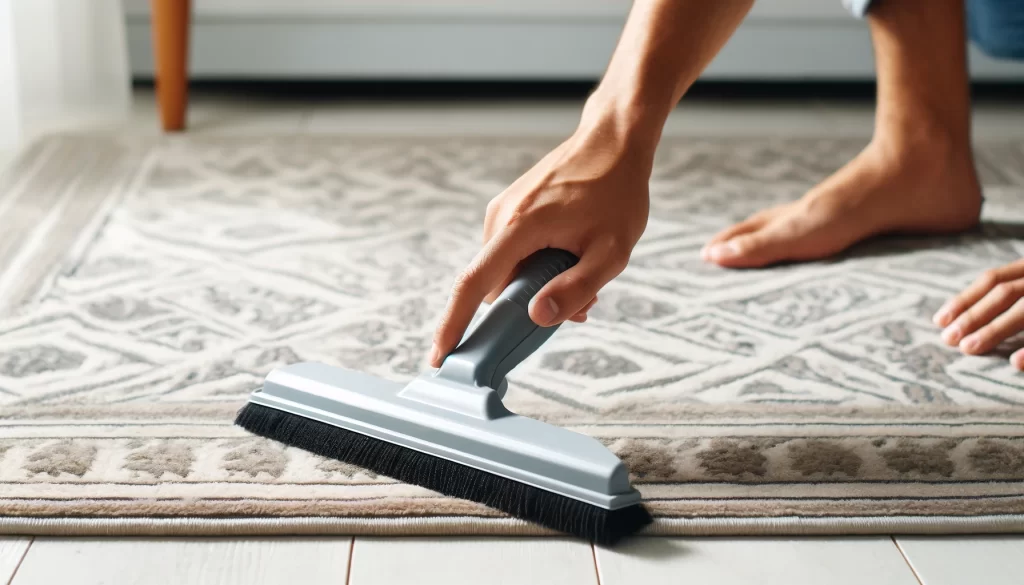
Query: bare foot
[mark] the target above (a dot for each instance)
(928, 187)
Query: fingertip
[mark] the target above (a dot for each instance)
(1017, 359)
(952, 334)
(970, 345)
(943, 316)
(434, 357)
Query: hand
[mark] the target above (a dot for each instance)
(588, 196)
(987, 312)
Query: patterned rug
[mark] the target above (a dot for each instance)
(148, 285)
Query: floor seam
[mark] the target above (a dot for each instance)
(906, 559)
(17, 567)
(597, 570)
(351, 558)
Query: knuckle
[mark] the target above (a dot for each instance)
(528, 208)
(620, 260)
(584, 284)
(989, 278)
(617, 251)
(464, 284)
(492, 207)
(1005, 292)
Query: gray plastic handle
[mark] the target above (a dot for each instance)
(506, 335)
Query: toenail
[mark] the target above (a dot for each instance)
(725, 250)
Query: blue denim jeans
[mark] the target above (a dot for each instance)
(995, 26)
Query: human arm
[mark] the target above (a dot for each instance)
(590, 194)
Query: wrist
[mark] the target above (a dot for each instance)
(631, 119)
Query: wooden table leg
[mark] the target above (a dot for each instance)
(170, 26)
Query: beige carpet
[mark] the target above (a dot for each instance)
(147, 286)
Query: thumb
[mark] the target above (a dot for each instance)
(569, 293)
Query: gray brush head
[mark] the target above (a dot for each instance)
(452, 427)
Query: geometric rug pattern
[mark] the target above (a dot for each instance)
(154, 290)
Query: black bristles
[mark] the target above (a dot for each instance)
(449, 478)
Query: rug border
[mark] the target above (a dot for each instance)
(460, 526)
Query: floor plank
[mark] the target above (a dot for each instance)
(453, 561)
(992, 560)
(196, 561)
(766, 561)
(12, 550)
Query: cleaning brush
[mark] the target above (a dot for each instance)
(448, 431)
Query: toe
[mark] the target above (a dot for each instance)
(759, 248)
(748, 225)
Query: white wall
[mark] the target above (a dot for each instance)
(506, 39)
(63, 63)
(10, 97)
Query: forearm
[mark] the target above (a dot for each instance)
(663, 48)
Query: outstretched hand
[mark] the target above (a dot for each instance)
(987, 312)
(588, 196)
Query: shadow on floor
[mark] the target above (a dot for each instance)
(653, 548)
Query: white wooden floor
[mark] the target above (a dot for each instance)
(513, 561)
(881, 560)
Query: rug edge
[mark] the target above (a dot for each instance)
(471, 526)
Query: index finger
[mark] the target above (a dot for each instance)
(491, 266)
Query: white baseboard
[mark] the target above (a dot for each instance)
(503, 47)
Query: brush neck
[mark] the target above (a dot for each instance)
(505, 335)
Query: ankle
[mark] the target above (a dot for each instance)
(921, 125)
(920, 144)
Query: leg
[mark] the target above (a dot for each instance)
(170, 49)
(916, 176)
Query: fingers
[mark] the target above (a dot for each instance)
(978, 289)
(587, 307)
(571, 292)
(492, 266)
(986, 313)
(996, 301)
(1002, 327)
(501, 286)
(1017, 359)
(581, 317)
